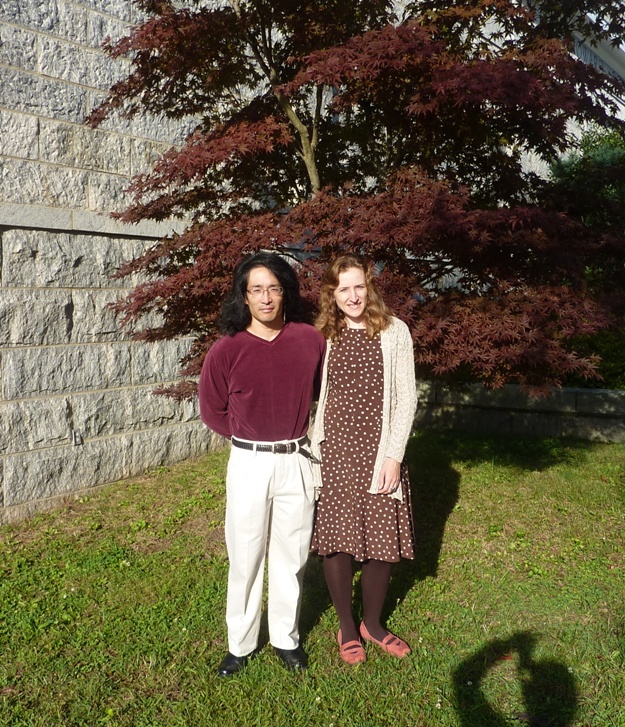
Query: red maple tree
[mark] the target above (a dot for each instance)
(337, 126)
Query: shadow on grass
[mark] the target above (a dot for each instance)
(435, 486)
(549, 690)
(527, 453)
(315, 597)
(435, 481)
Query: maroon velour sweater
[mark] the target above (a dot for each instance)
(262, 390)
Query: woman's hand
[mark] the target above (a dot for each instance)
(389, 476)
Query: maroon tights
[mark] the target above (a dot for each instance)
(374, 580)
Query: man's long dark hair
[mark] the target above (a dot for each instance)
(235, 315)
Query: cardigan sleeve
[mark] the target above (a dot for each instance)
(403, 393)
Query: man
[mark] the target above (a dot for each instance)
(256, 387)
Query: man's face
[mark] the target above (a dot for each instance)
(264, 297)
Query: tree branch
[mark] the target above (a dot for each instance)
(307, 152)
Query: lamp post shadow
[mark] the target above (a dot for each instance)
(549, 690)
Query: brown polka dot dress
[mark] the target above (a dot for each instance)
(349, 519)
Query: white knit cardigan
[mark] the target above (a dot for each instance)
(398, 406)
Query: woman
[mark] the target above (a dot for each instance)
(364, 418)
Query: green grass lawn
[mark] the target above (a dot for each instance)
(112, 608)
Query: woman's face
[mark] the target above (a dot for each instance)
(351, 296)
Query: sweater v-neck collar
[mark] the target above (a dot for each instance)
(266, 341)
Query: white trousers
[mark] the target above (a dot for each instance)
(268, 496)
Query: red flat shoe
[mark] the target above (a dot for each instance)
(352, 652)
(392, 644)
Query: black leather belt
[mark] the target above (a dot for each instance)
(274, 447)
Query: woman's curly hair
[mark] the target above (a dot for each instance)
(331, 320)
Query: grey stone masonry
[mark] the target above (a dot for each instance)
(77, 407)
(588, 414)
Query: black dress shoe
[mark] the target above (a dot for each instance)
(294, 659)
(232, 664)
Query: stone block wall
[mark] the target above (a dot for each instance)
(76, 402)
(588, 414)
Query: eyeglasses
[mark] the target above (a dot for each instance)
(258, 290)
